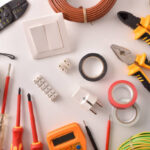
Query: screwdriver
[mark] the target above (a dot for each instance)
(17, 130)
(36, 145)
(3, 118)
(90, 136)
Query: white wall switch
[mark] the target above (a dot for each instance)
(47, 36)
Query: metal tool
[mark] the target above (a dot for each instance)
(3, 117)
(17, 130)
(134, 62)
(140, 26)
(90, 136)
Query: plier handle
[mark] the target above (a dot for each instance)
(134, 62)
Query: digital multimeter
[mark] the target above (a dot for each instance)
(69, 137)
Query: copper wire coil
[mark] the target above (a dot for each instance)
(77, 15)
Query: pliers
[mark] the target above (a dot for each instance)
(141, 26)
(134, 62)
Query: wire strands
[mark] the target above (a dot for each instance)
(81, 14)
(140, 141)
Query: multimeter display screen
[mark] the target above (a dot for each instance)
(63, 139)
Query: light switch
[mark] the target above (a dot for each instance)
(39, 38)
(47, 36)
(53, 36)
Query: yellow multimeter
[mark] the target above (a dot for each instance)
(69, 137)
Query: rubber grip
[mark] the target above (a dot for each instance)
(135, 70)
(37, 146)
(17, 139)
(143, 61)
(143, 79)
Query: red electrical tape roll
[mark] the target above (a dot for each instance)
(122, 105)
(82, 14)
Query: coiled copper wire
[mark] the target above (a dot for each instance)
(82, 14)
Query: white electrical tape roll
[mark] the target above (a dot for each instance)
(130, 122)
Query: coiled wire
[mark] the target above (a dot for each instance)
(82, 14)
(140, 141)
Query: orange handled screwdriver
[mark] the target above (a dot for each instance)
(17, 130)
(36, 145)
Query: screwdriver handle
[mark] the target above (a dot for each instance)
(37, 146)
(135, 70)
(17, 139)
(143, 61)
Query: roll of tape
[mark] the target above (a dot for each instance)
(122, 102)
(130, 122)
(99, 58)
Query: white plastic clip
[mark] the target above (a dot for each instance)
(86, 99)
(45, 87)
(65, 65)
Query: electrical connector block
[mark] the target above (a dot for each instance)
(45, 87)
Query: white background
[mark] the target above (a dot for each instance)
(84, 38)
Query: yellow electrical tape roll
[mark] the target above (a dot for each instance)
(140, 141)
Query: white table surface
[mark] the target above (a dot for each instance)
(84, 38)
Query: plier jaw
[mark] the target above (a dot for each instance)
(124, 54)
(129, 19)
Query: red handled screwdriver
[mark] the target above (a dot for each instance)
(36, 145)
(17, 130)
(3, 117)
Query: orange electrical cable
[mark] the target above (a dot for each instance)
(82, 14)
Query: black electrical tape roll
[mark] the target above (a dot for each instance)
(101, 75)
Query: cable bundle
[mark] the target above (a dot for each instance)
(82, 14)
(140, 141)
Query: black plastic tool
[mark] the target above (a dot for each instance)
(12, 11)
(90, 136)
(129, 19)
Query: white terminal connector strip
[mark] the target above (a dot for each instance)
(86, 99)
(66, 65)
(40, 81)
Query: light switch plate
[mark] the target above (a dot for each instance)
(47, 36)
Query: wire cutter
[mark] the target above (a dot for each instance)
(141, 26)
(134, 62)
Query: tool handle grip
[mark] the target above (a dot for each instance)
(135, 70)
(17, 139)
(143, 61)
(143, 79)
(37, 146)
(147, 64)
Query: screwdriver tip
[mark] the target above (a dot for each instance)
(19, 91)
(29, 97)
